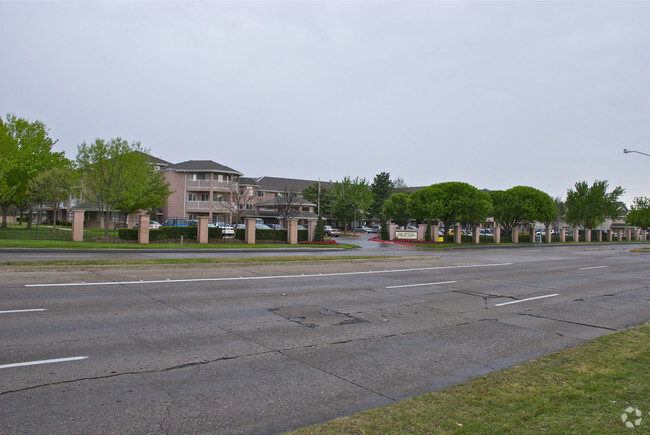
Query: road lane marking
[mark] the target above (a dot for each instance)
(527, 299)
(251, 278)
(422, 284)
(45, 361)
(30, 310)
(55, 256)
(593, 267)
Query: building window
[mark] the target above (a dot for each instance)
(249, 206)
(205, 197)
(202, 176)
(260, 193)
(191, 197)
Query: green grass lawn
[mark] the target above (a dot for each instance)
(585, 389)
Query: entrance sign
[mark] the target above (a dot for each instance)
(406, 235)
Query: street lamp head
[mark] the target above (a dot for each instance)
(625, 151)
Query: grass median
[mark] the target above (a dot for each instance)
(596, 387)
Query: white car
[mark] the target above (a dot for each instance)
(154, 225)
(331, 231)
(226, 229)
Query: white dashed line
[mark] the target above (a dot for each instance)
(422, 284)
(593, 267)
(45, 361)
(30, 310)
(527, 299)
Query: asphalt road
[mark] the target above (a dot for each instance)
(269, 348)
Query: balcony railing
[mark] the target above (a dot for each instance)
(214, 185)
(219, 206)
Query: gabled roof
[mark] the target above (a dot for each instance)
(247, 181)
(202, 166)
(277, 184)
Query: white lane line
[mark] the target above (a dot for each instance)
(527, 299)
(54, 256)
(593, 267)
(422, 284)
(45, 361)
(30, 310)
(250, 278)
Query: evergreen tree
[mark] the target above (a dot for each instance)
(319, 232)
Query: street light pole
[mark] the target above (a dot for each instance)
(626, 151)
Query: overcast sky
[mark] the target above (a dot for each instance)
(492, 93)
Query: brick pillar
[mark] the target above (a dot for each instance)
(562, 235)
(531, 235)
(497, 233)
(549, 235)
(476, 235)
(77, 225)
(311, 230)
(143, 230)
(391, 231)
(422, 229)
(435, 232)
(599, 235)
(249, 235)
(202, 230)
(610, 235)
(587, 234)
(292, 231)
(628, 234)
(458, 233)
(515, 234)
(576, 235)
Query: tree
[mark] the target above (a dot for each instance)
(460, 203)
(639, 215)
(353, 198)
(117, 176)
(319, 231)
(53, 186)
(381, 188)
(424, 205)
(310, 193)
(288, 205)
(25, 151)
(396, 208)
(522, 204)
(238, 201)
(590, 206)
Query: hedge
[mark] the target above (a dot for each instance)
(168, 233)
(275, 235)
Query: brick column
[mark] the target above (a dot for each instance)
(515, 234)
(391, 231)
(610, 235)
(249, 235)
(143, 230)
(576, 235)
(549, 234)
(562, 235)
(476, 235)
(458, 233)
(628, 234)
(202, 230)
(422, 229)
(497, 233)
(311, 230)
(435, 232)
(587, 234)
(77, 225)
(531, 235)
(599, 237)
(292, 231)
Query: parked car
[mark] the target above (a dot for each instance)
(331, 231)
(154, 225)
(226, 229)
(175, 222)
(375, 229)
(276, 227)
(485, 232)
(191, 223)
(361, 229)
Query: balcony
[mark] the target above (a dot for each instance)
(211, 185)
(204, 206)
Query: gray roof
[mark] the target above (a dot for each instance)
(277, 184)
(275, 202)
(247, 181)
(202, 166)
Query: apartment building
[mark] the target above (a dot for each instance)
(201, 188)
